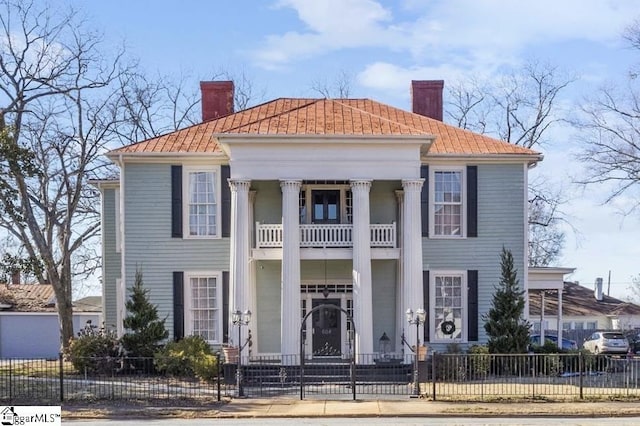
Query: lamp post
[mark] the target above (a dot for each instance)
(240, 318)
(419, 318)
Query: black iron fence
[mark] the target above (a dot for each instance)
(559, 377)
(444, 377)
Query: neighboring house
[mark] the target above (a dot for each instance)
(301, 202)
(582, 309)
(29, 326)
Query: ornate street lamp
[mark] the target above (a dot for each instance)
(240, 318)
(419, 318)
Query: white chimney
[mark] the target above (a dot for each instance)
(598, 289)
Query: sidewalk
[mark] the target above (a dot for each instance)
(256, 408)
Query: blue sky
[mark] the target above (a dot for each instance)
(283, 46)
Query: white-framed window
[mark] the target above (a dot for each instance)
(203, 305)
(323, 202)
(117, 220)
(447, 199)
(592, 325)
(202, 207)
(448, 306)
(566, 325)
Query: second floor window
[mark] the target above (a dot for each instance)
(448, 200)
(324, 202)
(202, 209)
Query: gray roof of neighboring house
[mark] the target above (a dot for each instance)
(27, 298)
(580, 301)
(88, 304)
(40, 298)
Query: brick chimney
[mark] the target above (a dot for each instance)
(15, 277)
(426, 98)
(217, 99)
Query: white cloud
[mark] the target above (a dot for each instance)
(442, 29)
(329, 25)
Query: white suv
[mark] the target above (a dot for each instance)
(607, 342)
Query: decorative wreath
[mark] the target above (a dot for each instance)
(448, 327)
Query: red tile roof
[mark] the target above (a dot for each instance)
(334, 117)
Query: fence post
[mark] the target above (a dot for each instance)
(61, 374)
(433, 374)
(581, 371)
(218, 378)
(10, 382)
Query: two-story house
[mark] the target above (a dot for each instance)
(300, 202)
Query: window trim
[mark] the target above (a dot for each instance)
(188, 303)
(186, 170)
(464, 302)
(432, 197)
(308, 188)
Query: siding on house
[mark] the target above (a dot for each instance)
(501, 222)
(383, 284)
(111, 259)
(268, 301)
(148, 242)
(383, 202)
(36, 335)
(268, 201)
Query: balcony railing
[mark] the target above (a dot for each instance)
(325, 236)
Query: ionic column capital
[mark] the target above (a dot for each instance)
(360, 185)
(290, 185)
(414, 185)
(239, 185)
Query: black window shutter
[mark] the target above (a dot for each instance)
(424, 200)
(472, 201)
(176, 201)
(178, 305)
(225, 306)
(472, 306)
(225, 199)
(425, 301)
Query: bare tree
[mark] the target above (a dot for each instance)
(149, 107)
(339, 88)
(610, 131)
(520, 108)
(56, 112)
(546, 237)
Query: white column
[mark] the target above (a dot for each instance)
(412, 294)
(401, 324)
(362, 292)
(290, 286)
(239, 285)
(542, 308)
(559, 317)
(255, 348)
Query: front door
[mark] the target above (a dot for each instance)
(326, 328)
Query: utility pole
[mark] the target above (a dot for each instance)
(609, 283)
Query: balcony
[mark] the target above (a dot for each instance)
(325, 236)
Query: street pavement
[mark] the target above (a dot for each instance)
(291, 408)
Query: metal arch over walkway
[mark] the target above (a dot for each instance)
(352, 359)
